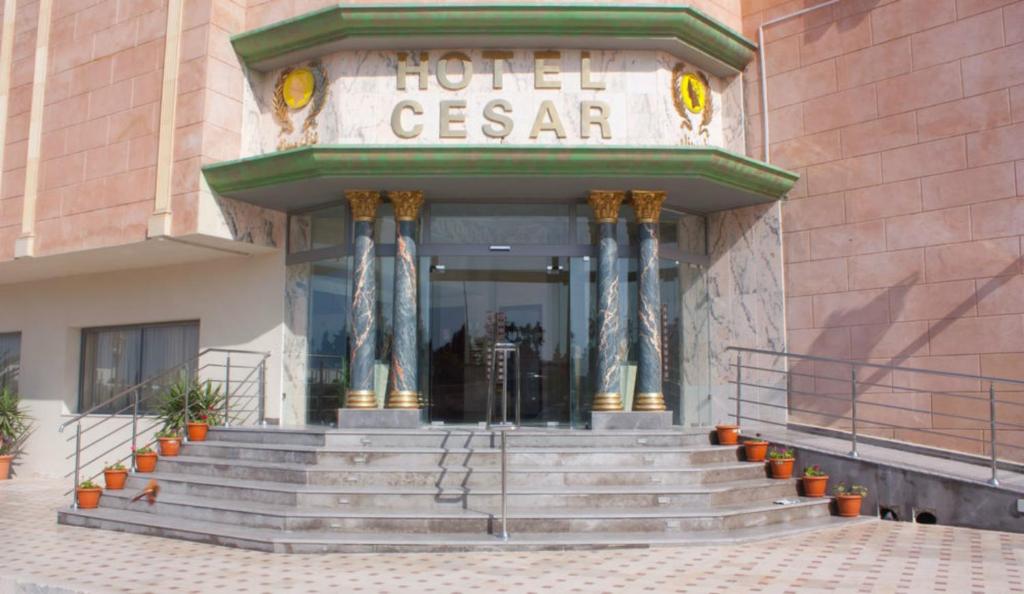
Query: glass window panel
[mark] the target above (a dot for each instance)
(115, 359)
(10, 360)
(385, 228)
(499, 224)
(329, 227)
(329, 304)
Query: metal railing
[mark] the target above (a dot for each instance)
(799, 378)
(211, 366)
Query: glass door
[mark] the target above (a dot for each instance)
(475, 301)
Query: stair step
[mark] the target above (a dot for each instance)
(458, 519)
(318, 542)
(406, 496)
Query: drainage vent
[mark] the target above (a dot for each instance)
(925, 518)
(889, 514)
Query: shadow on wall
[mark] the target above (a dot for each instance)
(820, 392)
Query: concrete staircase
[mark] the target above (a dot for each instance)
(323, 490)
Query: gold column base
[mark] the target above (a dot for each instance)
(403, 399)
(607, 401)
(649, 401)
(361, 399)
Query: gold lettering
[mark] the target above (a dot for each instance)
(498, 59)
(588, 118)
(541, 70)
(585, 75)
(504, 122)
(448, 118)
(396, 119)
(547, 120)
(421, 69)
(442, 71)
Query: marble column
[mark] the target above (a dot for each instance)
(649, 397)
(404, 347)
(363, 328)
(605, 205)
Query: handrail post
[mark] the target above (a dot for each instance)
(78, 457)
(739, 384)
(227, 392)
(263, 392)
(504, 485)
(184, 418)
(992, 431)
(135, 426)
(853, 411)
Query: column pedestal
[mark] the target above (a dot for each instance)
(632, 420)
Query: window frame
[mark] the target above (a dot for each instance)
(141, 327)
(3, 382)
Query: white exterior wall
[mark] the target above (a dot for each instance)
(238, 300)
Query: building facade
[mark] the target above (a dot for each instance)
(376, 196)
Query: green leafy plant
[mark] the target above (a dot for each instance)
(844, 489)
(88, 484)
(204, 404)
(168, 433)
(814, 471)
(778, 453)
(14, 423)
(144, 450)
(115, 466)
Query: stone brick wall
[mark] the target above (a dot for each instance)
(902, 241)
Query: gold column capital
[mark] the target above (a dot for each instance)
(605, 204)
(647, 205)
(407, 204)
(364, 204)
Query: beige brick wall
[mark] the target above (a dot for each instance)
(903, 239)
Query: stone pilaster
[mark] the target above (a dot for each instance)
(605, 205)
(404, 387)
(360, 394)
(649, 397)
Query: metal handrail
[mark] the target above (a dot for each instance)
(191, 364)
(853, 400)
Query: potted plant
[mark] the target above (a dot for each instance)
(170, 442)
(204, 405)
(145, 459)
(756, 449)
(14, 429)
(727, 434)
(815, 481)
(114, 476)
(197, 429)
(780, 460)
(849, 499)
(87, 494)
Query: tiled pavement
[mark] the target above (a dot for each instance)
(871, 557)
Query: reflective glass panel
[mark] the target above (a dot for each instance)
(499, 224)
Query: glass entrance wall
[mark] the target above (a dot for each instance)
(521, 273)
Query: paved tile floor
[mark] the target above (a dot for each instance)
(870, 557)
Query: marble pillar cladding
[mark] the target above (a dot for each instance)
(648, 381)
(404, 347)
(364, 323)
(609, 364)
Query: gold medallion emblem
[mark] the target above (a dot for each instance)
(693, 92)
(295, 89)
(298, 88)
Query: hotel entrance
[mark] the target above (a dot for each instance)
(489, 273)
(476, 302)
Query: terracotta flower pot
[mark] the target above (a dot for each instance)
(727, 434)
(782, 468)
(115, 479)
(89, 498)
(170, 446)
(145, 462)
(755, 450)
(5, 467)
(197, 431)
(849, 505)
(815, 486)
